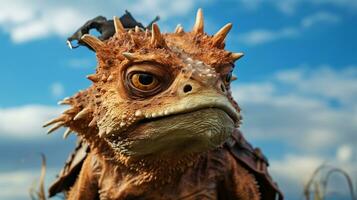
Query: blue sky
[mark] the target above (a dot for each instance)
(297, 84)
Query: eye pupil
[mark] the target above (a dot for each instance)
(146, 79)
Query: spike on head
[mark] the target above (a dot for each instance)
(119, 28)
(83, 113)
(57, 126)
(137, 29)
(156, 38)
(93, 42)
(198, 28)
(236, 56)
(179, 29)
(93, 77)
(66, 133)
(129, 56)
(221, 35)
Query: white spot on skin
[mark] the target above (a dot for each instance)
(138, 113)
(122, 124)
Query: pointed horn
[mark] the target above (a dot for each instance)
(93, 42)
(137, 29)
(119, 28)
(156, 37)
(83, 113)
(109, 130)
(59, 125)
(233, 78)
(101, 132)
(65, 101)
(58, 119)
(219, 37)
(93, 122)
(93, 77)
(128, 55)
(66, 133)
(179, 29)
(198, 28)
(236, 56)
(71, 111)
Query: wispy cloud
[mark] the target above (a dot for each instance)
(57, 89)
(290, 6)
(321, 101)
(262, 36)
(25, 122)
(293, 171)
(319, 18)
(16, 184)
(28, 20)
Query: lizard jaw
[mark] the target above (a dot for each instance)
(194, 104)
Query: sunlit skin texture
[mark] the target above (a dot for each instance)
(156, 117)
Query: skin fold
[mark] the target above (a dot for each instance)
(157, 118)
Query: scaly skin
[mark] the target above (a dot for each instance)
(214, 175)
(156, 117)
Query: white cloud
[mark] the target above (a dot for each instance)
(340, 85)
(293, 172)
(318, 18)
(16, 184)
(296, 168)
(290, 6)
(28, 20)
(57, 89)
(344, 153)
(261, 36)
(26, 122)
(311, 109)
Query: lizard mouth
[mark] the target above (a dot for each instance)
(192, 131)
(190, 107)
(190, 125)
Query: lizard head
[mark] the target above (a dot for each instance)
(157, 94)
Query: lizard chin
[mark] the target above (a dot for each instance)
(180, 134)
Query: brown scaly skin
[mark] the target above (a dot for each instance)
(156, 117)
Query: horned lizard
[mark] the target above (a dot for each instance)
(159, 121)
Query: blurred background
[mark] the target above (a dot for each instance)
(297, 84)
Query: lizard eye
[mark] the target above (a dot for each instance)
(144, 81)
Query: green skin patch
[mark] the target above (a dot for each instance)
(192, 132)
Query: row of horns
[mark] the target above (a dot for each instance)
(158, 40)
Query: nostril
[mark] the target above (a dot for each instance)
(187, 88)
(223, 88)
